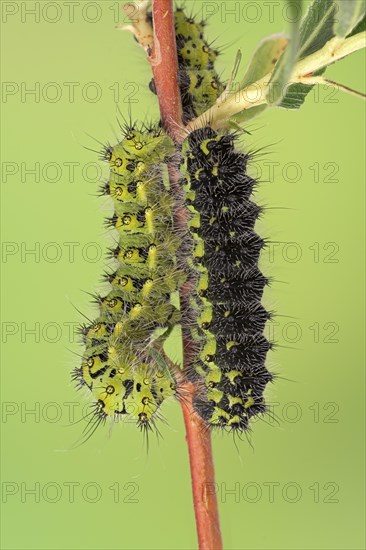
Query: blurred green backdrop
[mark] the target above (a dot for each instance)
(298, 483)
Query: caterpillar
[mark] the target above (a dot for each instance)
(218, 251)
(120, 366)
(199, 83)
(226, 304)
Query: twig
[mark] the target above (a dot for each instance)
(254, 95)
(198, 439)
(164, 63)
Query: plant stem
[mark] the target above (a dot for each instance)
(254, 95)
(164, 64)
(198, 438)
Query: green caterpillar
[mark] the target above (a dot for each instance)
(120, 365)
(200, 84)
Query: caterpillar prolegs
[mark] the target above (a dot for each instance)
(218, 251)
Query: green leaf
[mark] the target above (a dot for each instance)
(230, 87)
(317, 26)
(315, 31)
(160, 361)
(349, 14)
(296, 94)
(295, 97)
(246, 115)
(361, 27)
(283, 69)
(264, 58)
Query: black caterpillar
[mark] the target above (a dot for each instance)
(229, 317)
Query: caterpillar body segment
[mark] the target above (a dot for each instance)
(229, 316)
(124, 378)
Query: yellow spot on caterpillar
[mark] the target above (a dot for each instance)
(147, 288)
(213, 376)
(199, 250)
(218, 416)
(232, 375)
(234, 420)
(141, 191)
(250, 401)
(215, 395)
(149, 216)
(230, 344)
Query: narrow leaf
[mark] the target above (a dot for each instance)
(296, 94)
(265, 57)
(283, 69)
(317, 26)
(246, 115)
(160, 361)
(230, 85)
(349, 14)
(361, 27)
(316, 29)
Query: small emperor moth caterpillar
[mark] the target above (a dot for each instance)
(120, 365)
(226, 305)
(200, 84)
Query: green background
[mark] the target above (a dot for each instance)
(299, 484)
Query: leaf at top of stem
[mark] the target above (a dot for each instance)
(317, 27)
(284, 67)
(246, 115)
(315, 31)
(360, 27)
(349, 14)
(265, 57)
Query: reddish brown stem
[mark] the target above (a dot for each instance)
(198, 439)
(164, 64)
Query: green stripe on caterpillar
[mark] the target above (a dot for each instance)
(120, 365)
(229, 318)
